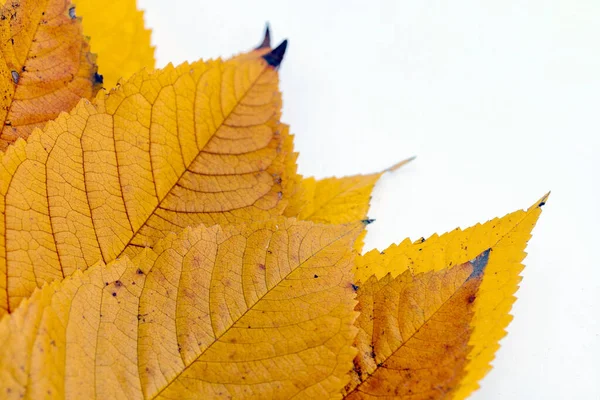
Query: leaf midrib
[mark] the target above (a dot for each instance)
(250, 308)
(186, 169)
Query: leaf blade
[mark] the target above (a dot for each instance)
(507, 238)
(46, 66)
(118, 37)
(414, 333)
(134, 335)
(200, 143)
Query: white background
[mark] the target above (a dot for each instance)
(499, 101)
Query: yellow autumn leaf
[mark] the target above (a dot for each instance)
(45, 65)
(414, 332)
(507, 238)
(118, 37)
(339, 200)
(258, 311)
(198, 143)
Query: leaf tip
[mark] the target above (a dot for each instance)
(541, 202)
(400, 164)
(275, 57)
(266, 42)
(479, 263)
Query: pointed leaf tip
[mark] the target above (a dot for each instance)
(275, 57)
(400, 164)
(543, 200)
(266, 43)
(479, 263)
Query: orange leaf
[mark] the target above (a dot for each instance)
(263, 311)
(45, 65)
(414, 332)
(199, 143)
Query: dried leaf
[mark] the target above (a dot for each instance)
(262, 311)
(507, 238)
(45, 66)
(199, 143)
(118, 37)
(414, 332)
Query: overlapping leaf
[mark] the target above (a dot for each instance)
(45, 65)
(198, 143)
(262, 311)
(118, 37)
(246, 303)
(505, 239)
(414, 332)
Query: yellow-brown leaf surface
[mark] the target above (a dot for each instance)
(258, 311)
(507, 238)
(45, 65)
(118, 37)
(337, 200)
(414, 332)
(198, 143)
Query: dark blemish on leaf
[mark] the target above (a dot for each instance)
(354, 287)
(118, 283)
(479, 263)
(139, 272)
(357, 368)
(114, 294)
(12, 41)
(53, 343)
(471, 298)
(266, 43)
(7, 123)
(15, 76)
(275, 57)
(367, 221)
(98, 79)
(542, 204)
(72, 13)
(23, 68)
(105, 283)
(382, 252)
(262, 267)
(316, 276)
(279, 195)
